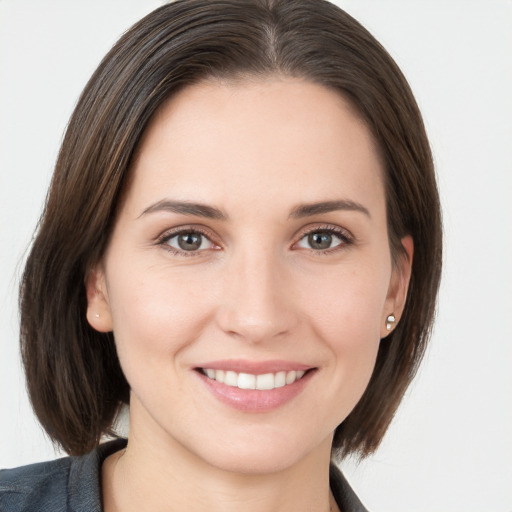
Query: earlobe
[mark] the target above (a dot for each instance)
(98, 307)
(397, 292)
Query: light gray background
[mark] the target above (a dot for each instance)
(450, 446)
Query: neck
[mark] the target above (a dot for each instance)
(165, 476)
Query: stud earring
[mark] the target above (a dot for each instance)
(97, 315)
(390, 321)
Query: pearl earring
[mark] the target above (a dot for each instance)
(97, 315)
(390, 320)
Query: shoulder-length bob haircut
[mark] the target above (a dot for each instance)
(74, 378)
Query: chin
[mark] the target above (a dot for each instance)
(255, 463)
(263, 455)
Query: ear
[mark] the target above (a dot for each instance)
(98, 307)
(398, 286)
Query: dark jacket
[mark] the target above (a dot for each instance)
(73, 484)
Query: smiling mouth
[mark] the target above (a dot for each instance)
(262, 382)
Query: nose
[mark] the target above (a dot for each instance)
(257, 301)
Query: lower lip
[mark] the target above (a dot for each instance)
(255, 400)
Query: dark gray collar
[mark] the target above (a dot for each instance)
(84, 485)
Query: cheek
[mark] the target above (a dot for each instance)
(154, 318)
(346, 315)
(348, 306)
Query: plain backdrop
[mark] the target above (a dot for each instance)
(449, 448)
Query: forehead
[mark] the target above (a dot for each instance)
(284, 139)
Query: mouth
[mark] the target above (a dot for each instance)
(255, 386)
(261, 382)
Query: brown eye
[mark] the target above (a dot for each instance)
(320, 241)
(188, 241)
(323, 240)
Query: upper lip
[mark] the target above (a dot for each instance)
(254, 367)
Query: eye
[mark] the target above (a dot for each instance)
(187, 241)
(324, 239)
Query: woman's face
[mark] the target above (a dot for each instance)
(250, 250)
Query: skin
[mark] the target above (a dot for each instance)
(256, 290)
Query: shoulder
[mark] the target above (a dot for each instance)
(43, 484)
(62, 485)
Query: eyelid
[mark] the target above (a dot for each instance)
(344, 234)
(164, 237)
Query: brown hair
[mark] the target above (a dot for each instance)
(74, 378)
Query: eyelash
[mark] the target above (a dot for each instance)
(168, 235)
(345, 236)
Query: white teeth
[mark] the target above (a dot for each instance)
(265, 381)
(246, 381)
(280, 379)
(262, 382)
(290, 377)
(231, 379)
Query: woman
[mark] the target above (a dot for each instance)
(242, 241)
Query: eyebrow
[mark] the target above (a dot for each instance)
(308, 210)
(186, 208)
(210, 212)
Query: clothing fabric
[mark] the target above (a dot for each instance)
(73, 484)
